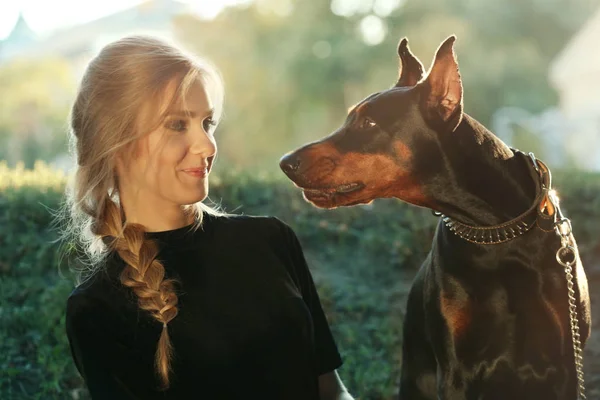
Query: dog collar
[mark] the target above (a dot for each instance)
(542, 213)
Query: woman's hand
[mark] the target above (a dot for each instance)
(345, 396)
(332, 388)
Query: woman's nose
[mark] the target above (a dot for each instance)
(203, 143)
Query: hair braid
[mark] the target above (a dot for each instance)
(144, 274)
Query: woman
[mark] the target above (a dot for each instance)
(181, 302)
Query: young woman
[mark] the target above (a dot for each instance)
(181, 301)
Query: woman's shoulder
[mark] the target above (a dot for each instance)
(257, 225)
(84, 304)
(100, 290)
(260, 231)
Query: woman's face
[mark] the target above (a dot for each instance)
(172, 163)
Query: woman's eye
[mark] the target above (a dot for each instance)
(368, 123)
(208, 123)
(177, 125)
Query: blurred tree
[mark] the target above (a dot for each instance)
(504, 49)
(292, 68)
(287, 71)
(34, 105)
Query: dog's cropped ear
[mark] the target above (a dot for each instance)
(443, 86)
(410, 69)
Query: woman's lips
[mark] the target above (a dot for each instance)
(197, 172)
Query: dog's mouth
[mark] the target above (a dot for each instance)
(329, 192)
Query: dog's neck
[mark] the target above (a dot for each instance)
(484, 182)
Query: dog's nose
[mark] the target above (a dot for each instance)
(290, 163)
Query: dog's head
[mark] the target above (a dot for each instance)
(387, 141)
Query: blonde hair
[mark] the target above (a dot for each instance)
(105, 121)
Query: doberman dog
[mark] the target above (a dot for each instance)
(488, 314)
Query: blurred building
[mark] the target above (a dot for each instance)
(20, 38)
(575, 74)
(566, 135)
(80, 42)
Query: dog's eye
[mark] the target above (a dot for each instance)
(368, 123)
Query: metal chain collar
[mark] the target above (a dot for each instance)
(567, 257)
(564, 229)
(492, 235)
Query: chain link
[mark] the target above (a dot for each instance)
(563, 230)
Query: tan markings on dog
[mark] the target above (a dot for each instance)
(320, 160)
(415, 192)
(553, 312)
(406, 186)
(457, 313)
(402, 151)
(557, 320)
(320, 150)
(382, 176)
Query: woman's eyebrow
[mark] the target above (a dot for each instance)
(189, 114)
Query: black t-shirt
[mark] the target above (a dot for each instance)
(250, 323)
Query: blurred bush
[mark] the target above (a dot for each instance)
(363, 259)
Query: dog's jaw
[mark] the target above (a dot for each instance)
(333, 197)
